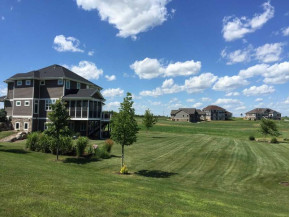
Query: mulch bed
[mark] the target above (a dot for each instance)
(284, 184)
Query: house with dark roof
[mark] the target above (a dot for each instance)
(213, 112)
(30, 96)
(259, 113)
(186, 114)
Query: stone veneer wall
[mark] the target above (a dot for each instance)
(22, 121)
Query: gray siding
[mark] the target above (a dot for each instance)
(36, 88)
(10, 90)
(182, 116)
(42, 112)
(23, 91)
(23, 110)
(8, 107)
(51, 89)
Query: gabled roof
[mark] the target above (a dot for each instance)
(200, 112)
(261, 111)
(189, 111)
(173, 112)
(2, 98)
(53, 71)
(213, 107)
(84, 93)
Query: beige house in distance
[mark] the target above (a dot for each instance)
(187, 114)
(259, 113)
(214, 113)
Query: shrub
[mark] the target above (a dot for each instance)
(32, 141)
(90, 150)
(251, 138)
(108, 145)
(3, 115)
(124, 170)
(286, 139)
(44, 143)
(274, 140)
(81, 144)
(66, 145)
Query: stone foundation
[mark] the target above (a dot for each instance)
(22, 121)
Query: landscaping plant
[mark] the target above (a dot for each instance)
(108, 145)
(149, 120)
(81, 145)
(124, 125)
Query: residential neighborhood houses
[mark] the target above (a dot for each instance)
(259, 113)
(214, 112)
(30, 96)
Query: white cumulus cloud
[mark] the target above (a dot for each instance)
(152, 68)
(237, 27)
(269, 52)
(86, 69)
(233, 94)
(63, 44)
(259, 100)
(130, 17)
(113, 92)
(196, 105)
(228, 83)
(237, 56)
(110, 77)
(258, 90)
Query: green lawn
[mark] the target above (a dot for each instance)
(4, 134)
(178, 169)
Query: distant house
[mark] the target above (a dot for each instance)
(259, 113)
(186, 114)
(213, 112)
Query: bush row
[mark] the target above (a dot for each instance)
(42, 142)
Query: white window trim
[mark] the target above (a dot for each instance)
(27, 125)
(49, 108)
(45, 126)
(17, 102)
(78, 85)
(16, 124)
(43, 82)
(26, 102)
(28, 82)
(59, 82)
(37, 107)
(67, 84)
(19, 83)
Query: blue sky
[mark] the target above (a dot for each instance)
(168, 54)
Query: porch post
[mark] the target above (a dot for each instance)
(87, 129)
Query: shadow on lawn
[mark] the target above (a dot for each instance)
(15, 151)
(155, 173)
(80, 160)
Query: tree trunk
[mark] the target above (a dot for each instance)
(122, 155)
(57, 148)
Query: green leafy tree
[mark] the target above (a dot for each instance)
(3, 115)
(149, 120)
(268, 127)
(124, 126)
(58, 127)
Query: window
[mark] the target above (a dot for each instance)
(28, 82)
(26, 125)
(42, 82)
(19, 83)
(17, 126)
(67, 84)
(48, 103)
(18, 103)
(88, 87)
(78, 85)
(60, 82)
(26, 103)
(45, 126)
(36, 107)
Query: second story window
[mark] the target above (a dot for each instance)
(78, 85)
(19, 83)
(48, 103)
(28, 82)
(18, 103)
(42, 82)
(67, 84)
(26, 103)
(60, 82)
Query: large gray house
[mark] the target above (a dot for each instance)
(30, 96)
(259, 113)
(214, 112)
(187, 114)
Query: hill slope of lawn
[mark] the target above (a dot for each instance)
(172, 174)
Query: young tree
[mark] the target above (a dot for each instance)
(149, 119)
(59, 123)
(268, 127)
(124, 126)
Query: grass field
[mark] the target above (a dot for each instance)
(177, 169)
